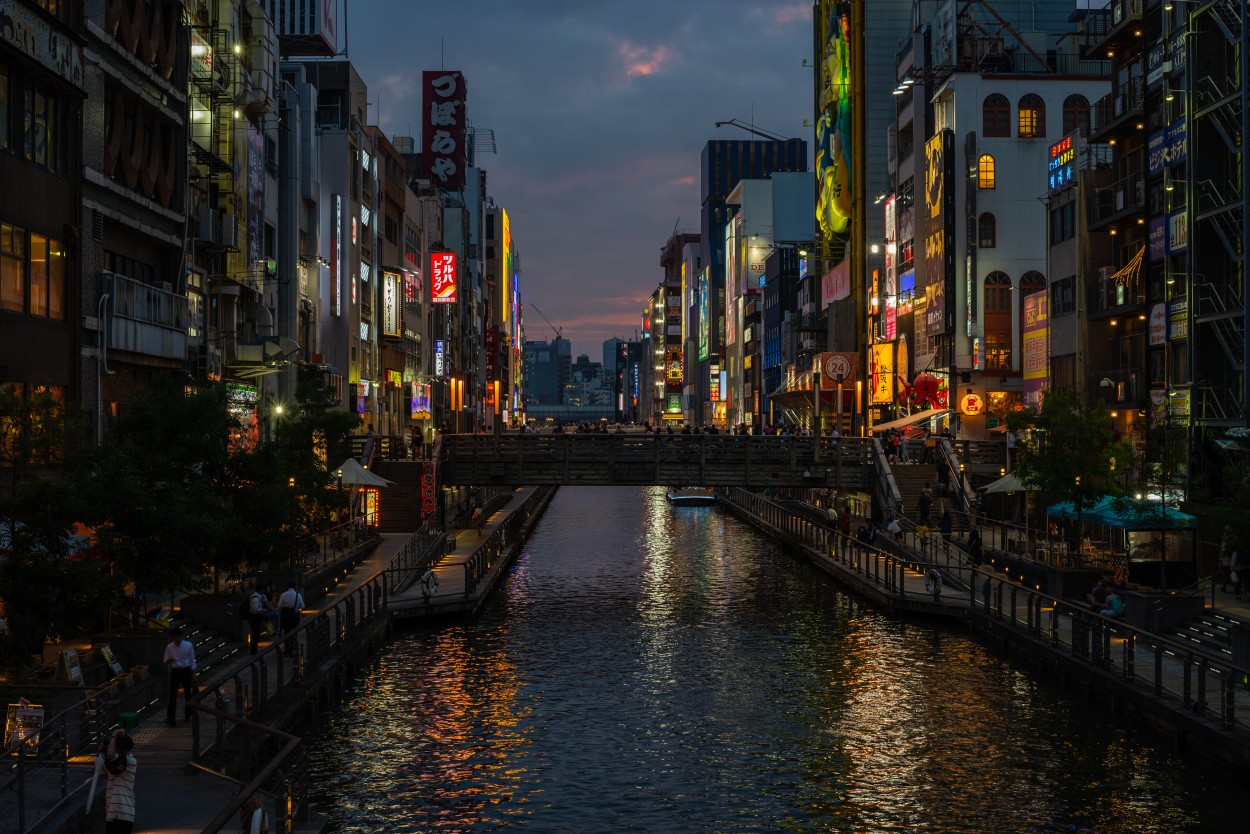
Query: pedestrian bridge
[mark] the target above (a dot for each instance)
(665, 459)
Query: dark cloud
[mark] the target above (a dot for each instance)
(600, 111)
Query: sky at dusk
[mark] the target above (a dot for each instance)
(600, 111)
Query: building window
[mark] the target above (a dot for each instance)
(987, 231)
(12, 268)
(1076, 114)
(1062, 223)
(997, 293)
(36, 286)
(998, 351)
(43, 139)
(4, 107)
(985, 171)
(996, 116)
(1031, 282)
(1031, 116)
(1063, 296)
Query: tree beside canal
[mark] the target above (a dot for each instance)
(1068, 450)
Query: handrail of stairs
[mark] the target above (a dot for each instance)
(887, 489)
(1199, 588)
(962, 487)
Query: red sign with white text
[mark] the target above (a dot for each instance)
(443, 277)
(443, 128)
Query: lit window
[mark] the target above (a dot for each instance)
(985, 172)
(1031, 116)
(12, 268)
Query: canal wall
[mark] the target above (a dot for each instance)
(1196, 702)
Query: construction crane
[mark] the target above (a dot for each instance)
(557, 330)
(753, 129)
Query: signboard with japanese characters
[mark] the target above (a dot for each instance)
(1157, 238)
(1178, 232)
(1158, 326)
(443, 139)
(1036, 348)
(392, 320)
(1061, 162)
(443, 277)
(971, 405)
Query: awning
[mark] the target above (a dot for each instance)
(1128, 513)
(357, 475)
(903, 422)
(1007, 483)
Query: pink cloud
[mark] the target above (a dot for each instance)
(793, 13)
(641, 60)
(687, 180)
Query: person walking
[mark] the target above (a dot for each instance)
(923, 504)
(1237, 572)
(180, 660)
(119, 792)
(944, 527)
(976, 552)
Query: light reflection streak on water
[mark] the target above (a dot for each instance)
(651, 669)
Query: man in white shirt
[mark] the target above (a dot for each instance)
(290, 604)
(180, 660)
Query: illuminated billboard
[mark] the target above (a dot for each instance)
(704, 324)
(392, 320)
(1036, 348)
(443, 133)
(882, 392)
(834, 147)
(443, 277)
(939, 220)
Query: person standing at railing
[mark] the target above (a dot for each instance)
(975, 552)
(945, 526)
(290, 604)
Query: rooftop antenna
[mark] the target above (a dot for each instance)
(758, 131)
(675, 225)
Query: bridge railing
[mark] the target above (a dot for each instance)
(651, 458)
(1197, 681)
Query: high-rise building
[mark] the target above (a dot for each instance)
(722, 164)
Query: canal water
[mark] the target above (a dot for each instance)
(656, 669)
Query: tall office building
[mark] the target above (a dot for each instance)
(722, 165)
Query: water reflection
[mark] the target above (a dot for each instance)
(655, 669)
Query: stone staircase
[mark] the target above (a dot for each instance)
(1212, 631)
(911, 478)
(399, 508)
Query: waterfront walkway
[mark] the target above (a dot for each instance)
(174, 797)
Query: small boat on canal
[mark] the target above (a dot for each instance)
(691, 496)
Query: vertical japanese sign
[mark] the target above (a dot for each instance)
(392, 321)
(701, 294)
(440, 357)
(429, 489)
(255, 195)
(1036, 347)
(443, 277)
(442, 148)
(938, 254)
(336, 256)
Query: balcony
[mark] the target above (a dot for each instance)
(1116, 109)
(1123, 199)
(1125, 19)
(1121, 388)
(147, 320)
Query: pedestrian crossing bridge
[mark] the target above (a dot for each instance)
(716, 460)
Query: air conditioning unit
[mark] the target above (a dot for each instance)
(210, 226)
(229, 230)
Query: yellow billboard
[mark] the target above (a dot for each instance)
(882, 392)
